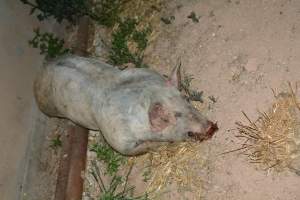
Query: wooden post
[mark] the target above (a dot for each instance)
(73, 156)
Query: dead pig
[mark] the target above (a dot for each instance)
(135, 109)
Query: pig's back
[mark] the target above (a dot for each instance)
(67, 87)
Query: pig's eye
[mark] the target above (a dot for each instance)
(178, 114)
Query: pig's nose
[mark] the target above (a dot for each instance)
(212, 128)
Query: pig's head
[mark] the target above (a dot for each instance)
(172, 118)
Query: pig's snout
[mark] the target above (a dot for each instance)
(211, 128)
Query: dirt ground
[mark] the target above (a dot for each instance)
(237, 52)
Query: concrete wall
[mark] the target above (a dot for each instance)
(18, 64)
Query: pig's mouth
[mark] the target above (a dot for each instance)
(212, 128)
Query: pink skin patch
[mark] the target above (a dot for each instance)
(160, 117)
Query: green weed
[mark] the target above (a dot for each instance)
(147, 174)
(118, 188)
(167, 20)
(70, 10)
(49, 45)
(193, 17)
(56, 142)
(127, 32)
(111, 158)
(104, 12)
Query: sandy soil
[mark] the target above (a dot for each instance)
(236, 52)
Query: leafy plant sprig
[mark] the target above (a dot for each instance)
(127, 32)
(59, 9)
(105, 12)
(192, 95)
(49, 45)
(118, 188)
(112, 159)
(56, 142)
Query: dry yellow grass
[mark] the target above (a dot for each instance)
(272, 141)
(175, 164)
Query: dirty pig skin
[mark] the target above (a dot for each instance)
(135, 109)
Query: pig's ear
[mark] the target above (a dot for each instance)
(160, 117)
(175, 77)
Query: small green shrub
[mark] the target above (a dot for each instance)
(111, 158)
(118, 188)
(105, 12)
(140, 37)
(70, 10)
(120, 53)
(127, 32)
(48, 44)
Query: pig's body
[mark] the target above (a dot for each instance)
(135, 109)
